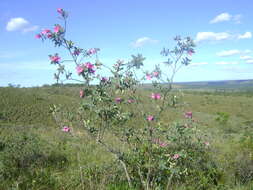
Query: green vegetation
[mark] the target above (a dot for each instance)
(36, 154)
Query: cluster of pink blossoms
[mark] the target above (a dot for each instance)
(156, 96)
(55, 59)
(154, 74)
(92, 51)
(48, 33)
(120, 100)
(88, 66)
(188, 115)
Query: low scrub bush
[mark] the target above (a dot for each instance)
(27, 162)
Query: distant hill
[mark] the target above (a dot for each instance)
(223, 84)
(242, 85)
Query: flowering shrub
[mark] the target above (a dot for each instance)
(155, 153)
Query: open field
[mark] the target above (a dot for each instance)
(36, 154)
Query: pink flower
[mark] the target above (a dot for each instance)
(91, 71)
(207, 143)
(55, 59)
(176, 156)
(60, 11)
(130, 101)
(156, 96)
(57, 28)
(150, 118)
(190, 52)
(81, 93)
(38, 36)
(88, 65)
(155, 74)
(79, 69)
(163, 144)
(148, 77)
(66, 129)
(49, 35)
(118, 100)
(46, 31)
(91, 51)
(188, 115)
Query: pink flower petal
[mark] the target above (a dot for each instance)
(150, 118)
(118, 100)
(81, 93)
(60, 10)
(38, 36)
(66, 129)
(176, 156)
(79, 69)
(148, 77)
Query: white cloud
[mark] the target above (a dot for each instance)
(249, 61)
(219, 36)
(15, 24)
(226, 63)
(228, 53)
(198, 64)
(20, 24)
(247, 51)
(226, 17)
(232, 52)
(246, 35)
(30, 29)
(221, 18)
(212, 36)
(245, 57)
(237, 19)
(142, 41)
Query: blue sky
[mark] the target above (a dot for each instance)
(222, 30)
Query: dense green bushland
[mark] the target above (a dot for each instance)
(32, 106)
(36, 154)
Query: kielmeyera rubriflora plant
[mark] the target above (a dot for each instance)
(153, 152)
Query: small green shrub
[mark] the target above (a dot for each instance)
(27, 161)
(222, 118)
(244, 159)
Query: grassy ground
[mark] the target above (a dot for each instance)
(35, 154)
